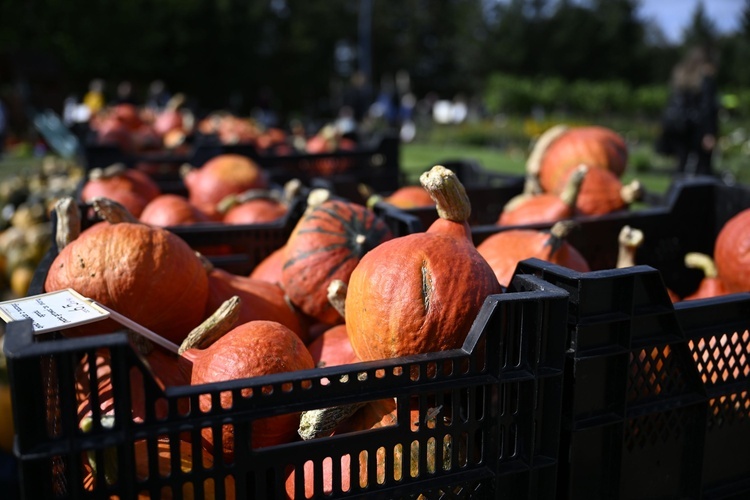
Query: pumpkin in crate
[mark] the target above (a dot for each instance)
(420, 293)
(732, 253)
(710, 285)
(545, 207)
(172, 210)
(602, 193)
(326, 244)
(130, 187)
(405, 197)
(250, 350)
(143, 272)
(505, 249)
(219, 177)
(561, 149)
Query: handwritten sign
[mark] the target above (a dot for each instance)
(53, 311)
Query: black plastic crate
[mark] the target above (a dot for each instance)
(500, 409)
(656, 402)
(689, 220)
(374, 162)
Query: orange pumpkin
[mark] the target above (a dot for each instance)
(711, 285)
(172, 210)
(732, 253)
(403, 296)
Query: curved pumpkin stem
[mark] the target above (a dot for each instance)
(232, 200)
(558, 233)
(449, 194)
(213, 327)
(185, 169)
(697, 260)
(68, 221)
(632, 192)
(112, 211)
(337, 296)
(317, 197)
(569, 193)
(534, 162)
(320, 423)
(291, 190)
(629, 240)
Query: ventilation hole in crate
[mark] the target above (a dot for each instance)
(229, 490)
(447, 452)
(209, 489)
(225, 400)
(364, 469)
(655, 429)
(729, 410)
(267, 390)
(414, 459)
(654, 371)
(722, 358)
(432, 370)
(183, 406)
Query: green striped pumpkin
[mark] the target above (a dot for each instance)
(327, 244)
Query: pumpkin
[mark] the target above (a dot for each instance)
(326, 244)
(406, 197)
(732, 253)
(602, 192)
(249, 350)
(332, 348)
(219, 177)
(257, 206)
(329, 140)
(710, 285)
(260, 299)
(562, 149)
(129, 187)
(169, 209)
(544, 207)
(420, 293)
(143, 272)
(504, 250)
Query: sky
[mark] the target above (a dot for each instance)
(674, 15)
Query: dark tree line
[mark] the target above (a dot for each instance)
(284, 50)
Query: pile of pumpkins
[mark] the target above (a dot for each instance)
(342, 289)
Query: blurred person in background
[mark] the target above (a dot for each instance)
(94, 98)
(690, 121)
(125, 93)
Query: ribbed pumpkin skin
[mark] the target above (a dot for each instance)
(732, 253)
(325, 245)
(144, 273)
(416, 294)
(596, 147)
(505, 249)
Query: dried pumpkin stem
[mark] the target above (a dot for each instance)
(697, 260)
(632, 192)
(317, 197)
(569, 193)
(233, 200)
(558, 233)
(319, 423)
(449, 194)
(534, 162)
(68, 221)
(291, 190)
(337, 296)
(214, 327)
(112, 211)
(629, 240)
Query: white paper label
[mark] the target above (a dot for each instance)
(53, 311)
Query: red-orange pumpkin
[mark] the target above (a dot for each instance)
(326, 244)
(421, 292)
(568, 147)
(172, 210)
(332, 348)
(410, 197)
(145, 273)
(250, 350)
(732, 253)
(129, 187)
(504, 250)
(219, 177)
(710, 285)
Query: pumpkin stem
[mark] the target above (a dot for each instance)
(448, 193)
(320, 423)
(373, 200)
(629, 240)
(232, 200)
(213, 327)
(68, 221)
(207, 264)
(337, 296)
(697, 260)
(531, 184)
(632, 192)
(317, 197)
(534, 162)
(365, 191)
(569, 193)
(292, 189)
(558, 233)
(112, 211)
(107, 172)
(185, 169)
